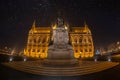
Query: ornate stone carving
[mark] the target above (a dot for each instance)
(60, 37)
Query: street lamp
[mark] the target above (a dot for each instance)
(10, 59)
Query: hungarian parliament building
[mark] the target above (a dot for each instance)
(40, 38)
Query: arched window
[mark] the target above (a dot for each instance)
(85, 40)
(34, 40)
(30, 40)
(44, 40)
(33, 50)
(89, 40)
(75, 40)
(80, 40)
(76, 51)
(38, 50)
(86, 50)
(81, 50)
(29, 50)
(90, 50)
(43, 50)
(39, 40)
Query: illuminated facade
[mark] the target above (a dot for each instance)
(39, 39)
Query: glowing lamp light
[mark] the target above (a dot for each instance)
(66, 27)
(10, 59)
(95, 59)
(54, 27)
(109, 59)
(24, 59)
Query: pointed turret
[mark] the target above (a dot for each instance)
(33, 26)
(86, 27)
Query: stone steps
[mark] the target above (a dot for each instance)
(43, 67)
(81, 69)
(50, 68)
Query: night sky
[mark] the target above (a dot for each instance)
(17, 16)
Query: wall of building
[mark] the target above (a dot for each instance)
(39, 39)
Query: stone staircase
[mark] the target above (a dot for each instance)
(84, 67)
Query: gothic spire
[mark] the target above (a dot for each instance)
(86, 27)
(33, 26)
(85, 24)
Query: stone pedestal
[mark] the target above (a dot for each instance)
(60, 56)
(60, 53)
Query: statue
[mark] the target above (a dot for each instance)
(60, 34)
(60, 22)
(60, 37)
(60, 49)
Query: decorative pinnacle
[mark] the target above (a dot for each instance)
(33, 26)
